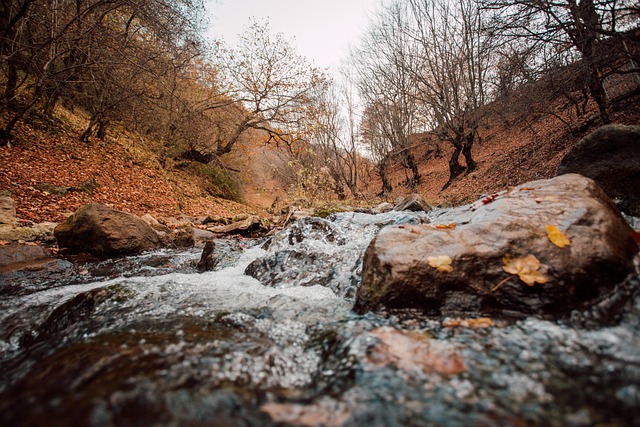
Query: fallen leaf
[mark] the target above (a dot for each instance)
(526, 188)
(445, 226)
(525, 268)
(557, 237)
(479, 323)
(441, 263)
(4, 243)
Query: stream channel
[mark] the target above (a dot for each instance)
(147, 340)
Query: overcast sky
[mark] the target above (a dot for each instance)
(323, 29)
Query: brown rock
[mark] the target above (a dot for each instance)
(208, 259)
(411, 351)
(413, 203)
(397, 271)
(103, 231)
(7, 211)
(611, 157)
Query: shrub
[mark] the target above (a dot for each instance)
(223, 183)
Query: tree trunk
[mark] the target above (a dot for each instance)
(12, 81)
(382, 171)
(455, 168)
(102, 129)
(411, 165)
(597, 91)
(89, 129)
(466, 151)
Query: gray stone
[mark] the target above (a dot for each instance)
(397, 272)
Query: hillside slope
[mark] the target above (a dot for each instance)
(511, 150)
(50, 174)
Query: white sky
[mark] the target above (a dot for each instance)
(323, 29)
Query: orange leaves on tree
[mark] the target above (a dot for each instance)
(526, 268)
(557, 237)
(441, 263)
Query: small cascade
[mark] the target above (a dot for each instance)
(270, 338)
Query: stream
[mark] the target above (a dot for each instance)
(149, 341)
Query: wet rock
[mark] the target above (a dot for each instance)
(611, 157)
(104, 231)
(413, 203)
(326, 412)
(16, 254)
(20, 264)
(402, 268)
(201, 236)
(295, 256)
(325, 252)
(208, 260)
(413, 350)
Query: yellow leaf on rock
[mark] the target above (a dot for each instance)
(441, 263)
(525, 268)
(557, 237)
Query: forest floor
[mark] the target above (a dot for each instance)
(50, 173)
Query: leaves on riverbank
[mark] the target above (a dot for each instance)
(441, 263)
(557, 237)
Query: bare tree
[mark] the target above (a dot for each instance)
(271, 84)
(573, 29)
(386, 86)
(336, 136)
(80, 49)
(453, 60)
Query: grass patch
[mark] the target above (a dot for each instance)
(223, 183)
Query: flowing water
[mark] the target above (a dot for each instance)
(148, 340)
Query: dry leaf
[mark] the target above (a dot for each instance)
(525, 268)
(441, 263)
(479, 323)
(557, 237)
(526, 188)
(445, 226)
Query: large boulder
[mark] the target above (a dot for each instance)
(103, 231)
(459, 265)
(611, 157)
